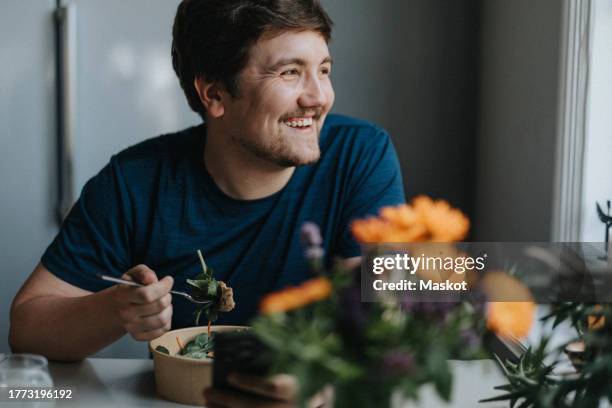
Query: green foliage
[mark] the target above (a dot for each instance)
(367, 350)
(196, 348)
(528, 379)
(304, 344)
(573, 312)
(205, 287)
(531, 382)
(162, 349)
(199, 347)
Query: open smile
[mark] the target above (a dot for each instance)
(299, 123)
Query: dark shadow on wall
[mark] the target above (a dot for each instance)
(412, 67)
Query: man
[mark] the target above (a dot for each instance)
(267, 158)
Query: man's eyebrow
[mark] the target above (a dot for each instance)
(297, 61)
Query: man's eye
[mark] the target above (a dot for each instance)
(325, 71)
(290, 72)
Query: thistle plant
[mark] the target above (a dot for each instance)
(531, 381)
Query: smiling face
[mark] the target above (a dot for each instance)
(284, 95)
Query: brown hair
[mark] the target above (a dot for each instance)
(212, 38)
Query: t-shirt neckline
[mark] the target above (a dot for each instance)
(210, 186)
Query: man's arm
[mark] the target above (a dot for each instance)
(63, 322)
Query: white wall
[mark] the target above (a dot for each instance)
(597, 173)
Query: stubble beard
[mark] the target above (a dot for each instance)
(279, 152)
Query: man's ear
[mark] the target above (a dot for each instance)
(211, 96)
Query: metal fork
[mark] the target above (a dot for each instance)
(176, 292)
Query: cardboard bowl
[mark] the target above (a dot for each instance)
(182, 379)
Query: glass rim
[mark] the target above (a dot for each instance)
(36, 360)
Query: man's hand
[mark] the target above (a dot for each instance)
(146, 312)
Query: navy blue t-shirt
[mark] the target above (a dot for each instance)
(155, 204)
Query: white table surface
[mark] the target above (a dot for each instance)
(98, 382)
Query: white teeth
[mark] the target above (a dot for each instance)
(299, 123)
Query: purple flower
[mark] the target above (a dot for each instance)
(311, 235)
(397, 362)
(470, 339)
(314, 253)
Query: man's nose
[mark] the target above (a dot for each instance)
(313, 93)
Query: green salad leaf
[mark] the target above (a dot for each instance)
(199, 347)
(162, 349)
(205, 287)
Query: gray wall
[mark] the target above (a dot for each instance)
(126, 92)
(517, 119)
(412, 67)
(27, 132)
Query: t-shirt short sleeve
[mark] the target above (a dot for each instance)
(95, 236)
(376, 182)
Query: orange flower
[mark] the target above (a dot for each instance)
(444, 223)
(424, 220)
(596, 322)
(295, 297)
(510, 318)
(402, 216)
(501, 287)
(370, 230)
(511, 310)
